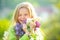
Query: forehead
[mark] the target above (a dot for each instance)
(23, 10)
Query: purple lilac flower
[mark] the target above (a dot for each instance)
(18, 29)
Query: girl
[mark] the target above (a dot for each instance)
(22, 12)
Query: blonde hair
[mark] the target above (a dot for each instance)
(24, 5)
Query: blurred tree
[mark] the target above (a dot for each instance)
(4, 24)
(51, 28)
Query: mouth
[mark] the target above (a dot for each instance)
(23, 21)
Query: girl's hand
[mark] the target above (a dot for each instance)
(25, 29)
(32, 24)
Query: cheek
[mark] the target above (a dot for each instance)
(19, 18)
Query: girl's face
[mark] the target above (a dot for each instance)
(23, 15)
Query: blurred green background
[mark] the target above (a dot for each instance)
(47, 10)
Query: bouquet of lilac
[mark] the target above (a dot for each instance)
(17, 33)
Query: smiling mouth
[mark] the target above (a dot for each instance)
(23, 21)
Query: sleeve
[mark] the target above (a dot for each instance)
(24, 37)
(10, 34)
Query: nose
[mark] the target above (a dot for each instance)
(23, 17)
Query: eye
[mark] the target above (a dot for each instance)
(25, 14)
